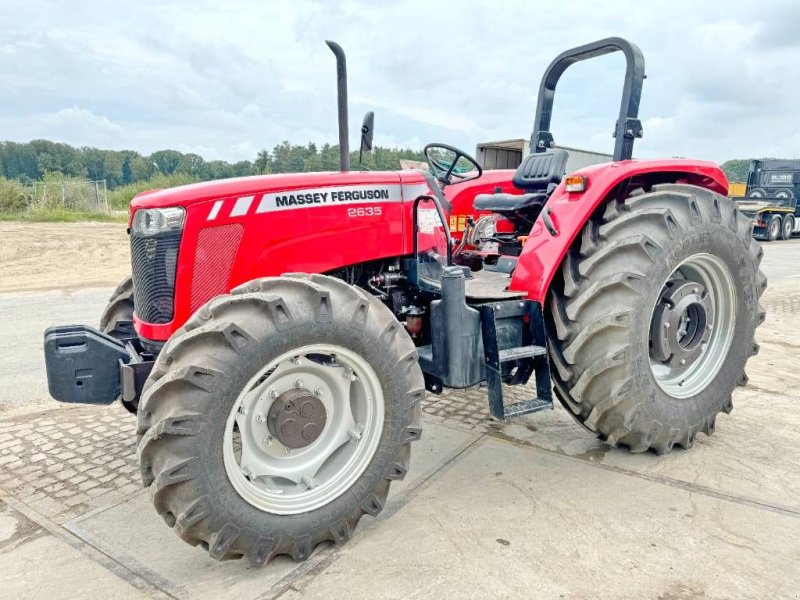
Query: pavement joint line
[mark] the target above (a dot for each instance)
(90, 551)
(660, 479)
(769, 392)
(160, 582)
(330, 555)
(101, 509)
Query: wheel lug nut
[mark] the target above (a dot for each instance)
(287, 450)
(298, 383)
(267, 441)
(683, 361)
(273, 393)
(261, 418)
(318, 392)
(309, 482)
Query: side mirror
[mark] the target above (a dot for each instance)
(367, 126)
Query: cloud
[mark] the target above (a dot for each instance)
(224, 80)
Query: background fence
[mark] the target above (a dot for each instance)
(78, 196)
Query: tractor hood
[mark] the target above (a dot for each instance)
(187, 195)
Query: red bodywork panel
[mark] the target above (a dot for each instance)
(235, 231)
(239, 229)
(542, 253)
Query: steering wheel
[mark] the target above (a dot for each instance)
(445, 173)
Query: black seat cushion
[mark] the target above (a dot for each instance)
(539, 171)
(508, 203)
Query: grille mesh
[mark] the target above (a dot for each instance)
(213, 262)
(155, 260)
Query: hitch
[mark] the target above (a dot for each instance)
(87, 366)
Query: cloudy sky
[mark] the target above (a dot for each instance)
(225, 78)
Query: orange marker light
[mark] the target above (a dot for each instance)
(575, 183)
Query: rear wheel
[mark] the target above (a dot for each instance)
(787, 227)
(655, 322)
(278, 416)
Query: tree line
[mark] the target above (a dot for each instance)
(32, 161)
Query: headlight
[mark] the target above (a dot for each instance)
(152, 221)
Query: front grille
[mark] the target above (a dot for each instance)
(155, 260)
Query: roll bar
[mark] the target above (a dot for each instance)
(628, 126)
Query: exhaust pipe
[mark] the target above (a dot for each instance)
(341, 82)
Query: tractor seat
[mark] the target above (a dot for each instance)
(539, 174)
(503, 203)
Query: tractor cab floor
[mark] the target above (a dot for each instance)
(490, 285)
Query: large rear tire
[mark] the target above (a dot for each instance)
(225, 467)
(680, 257)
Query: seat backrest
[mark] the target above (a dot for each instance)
(538, 171)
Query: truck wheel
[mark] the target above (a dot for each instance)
(787, 227)
(655, 322)
(119, 308)
(773, 228)
(278, 416)
(757, 193)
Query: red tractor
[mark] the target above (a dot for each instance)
(279, 333)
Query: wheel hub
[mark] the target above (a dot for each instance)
(682, 323)
(296, 418)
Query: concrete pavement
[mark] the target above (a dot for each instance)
(534, 508)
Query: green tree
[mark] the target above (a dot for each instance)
(166, 161)
(736, 169)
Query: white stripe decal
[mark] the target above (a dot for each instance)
(242, 206)
(329, 196)
(215, 210)
(412, 190)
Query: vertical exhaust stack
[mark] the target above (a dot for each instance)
(341, 82)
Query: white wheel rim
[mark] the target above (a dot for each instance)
(284, 482)
(716, 278)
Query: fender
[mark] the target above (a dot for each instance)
(568, 212)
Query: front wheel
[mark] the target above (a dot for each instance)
(278, 416)
(656, 317)
(117, 317)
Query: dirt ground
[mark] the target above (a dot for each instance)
(43, 256)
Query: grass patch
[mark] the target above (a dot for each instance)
(63, 216)
(121, 197)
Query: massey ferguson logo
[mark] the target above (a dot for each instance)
(311, 198)
(331, 197)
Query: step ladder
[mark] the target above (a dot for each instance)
(530, 357)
